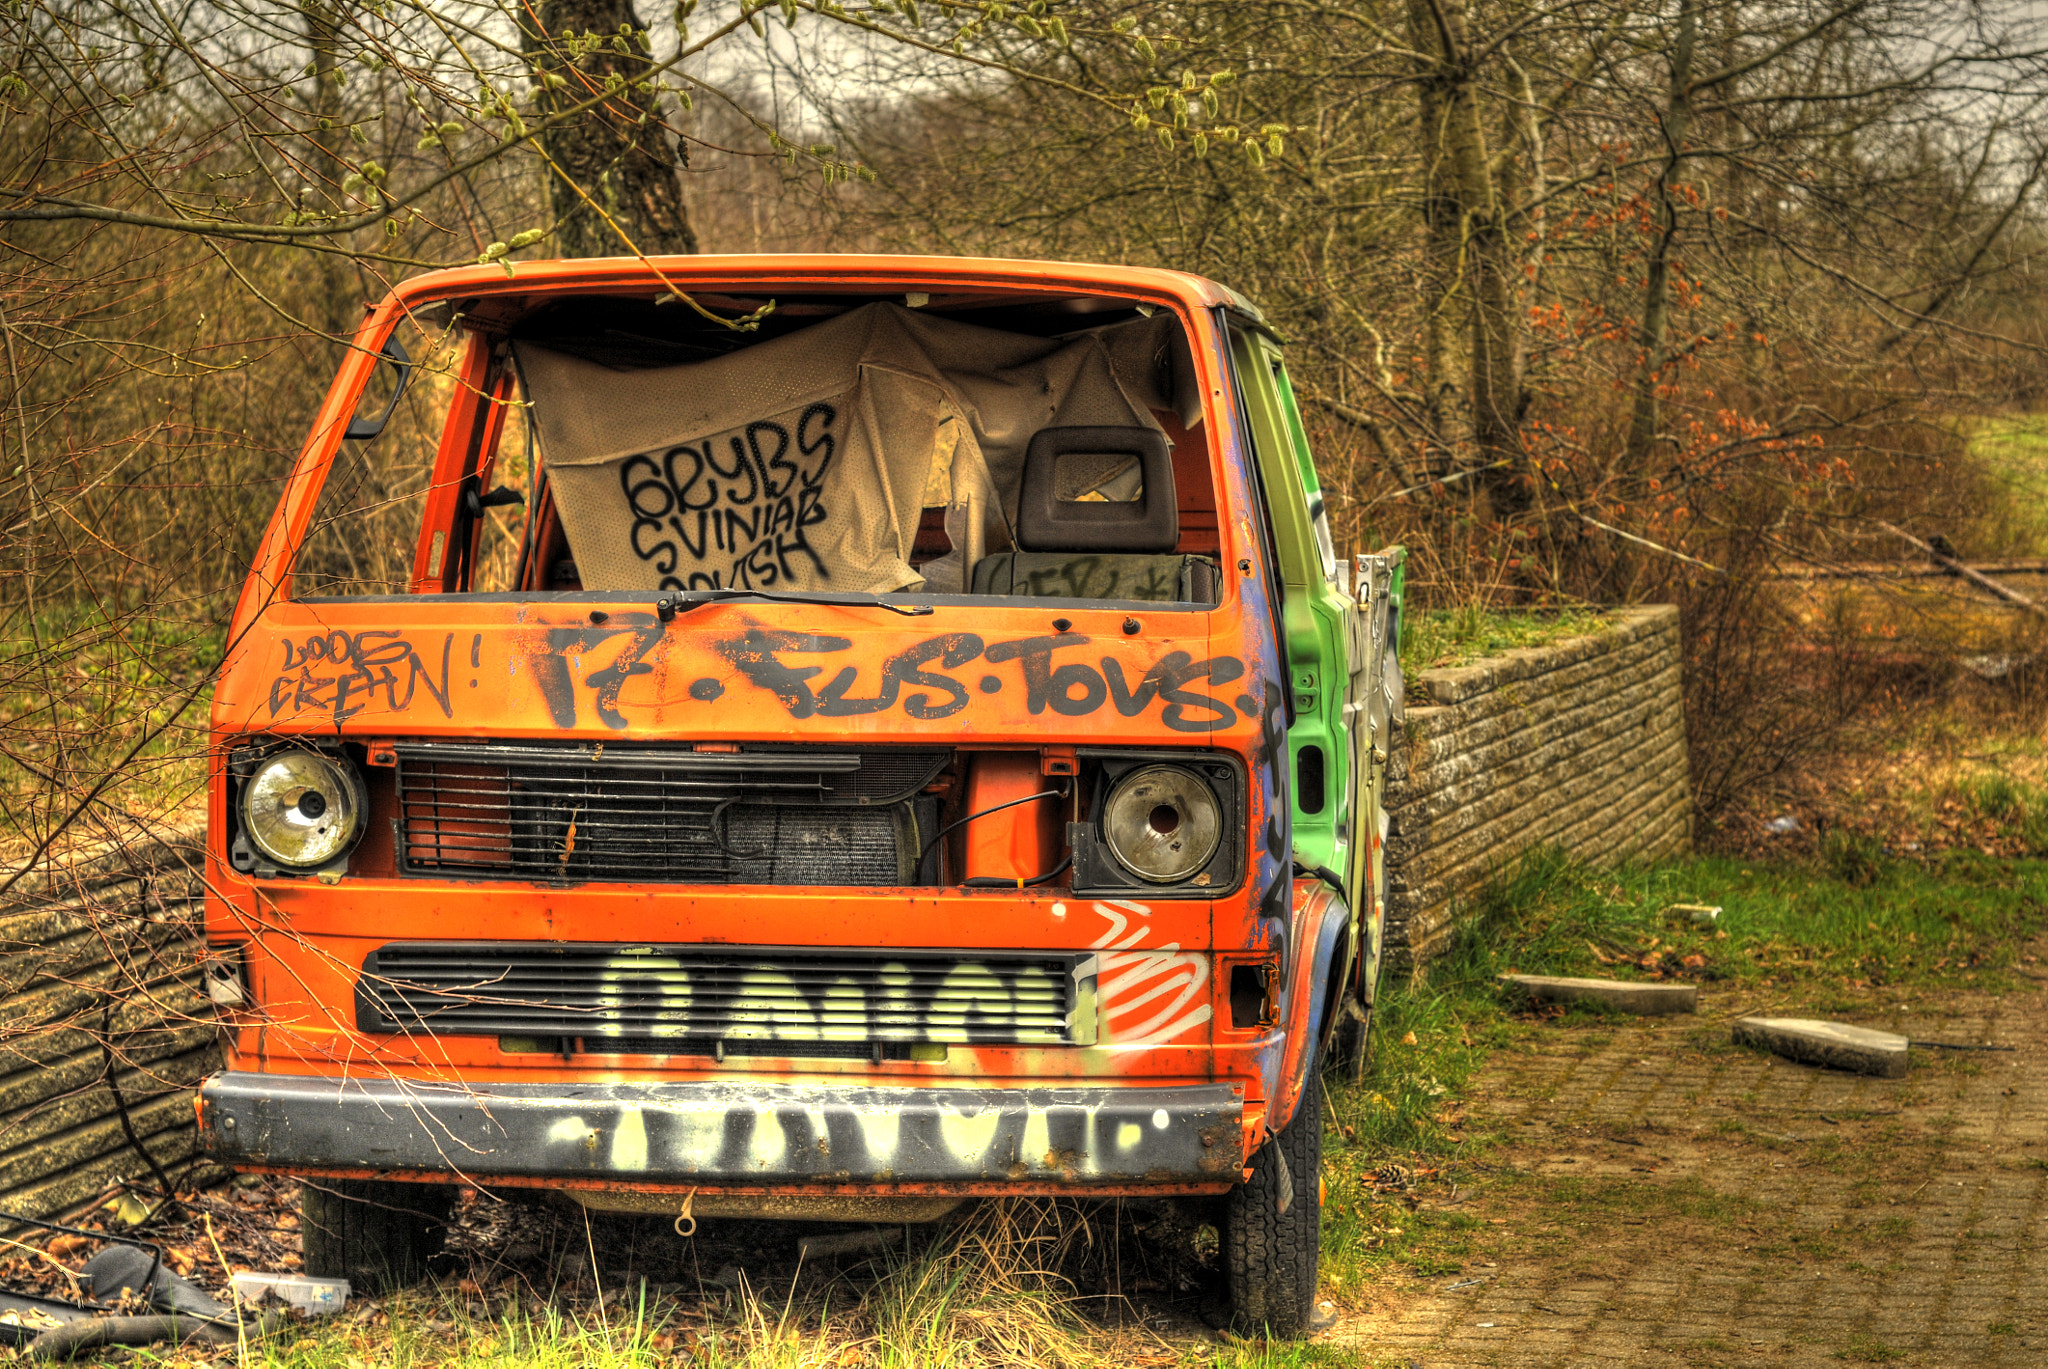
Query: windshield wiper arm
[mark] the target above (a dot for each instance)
(682, 601)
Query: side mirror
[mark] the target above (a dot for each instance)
(363, 429)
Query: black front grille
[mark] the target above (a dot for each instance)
(666, 815)
(625, 998)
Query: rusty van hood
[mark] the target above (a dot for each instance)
(600, 667)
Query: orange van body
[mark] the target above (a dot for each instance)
(1113, 1038)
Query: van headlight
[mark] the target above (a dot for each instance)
(303, 809)
(1162, 823)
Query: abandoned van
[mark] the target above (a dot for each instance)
(826, 737)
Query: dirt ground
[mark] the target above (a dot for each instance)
(1665, 1197)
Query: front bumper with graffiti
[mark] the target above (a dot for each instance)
(739, 1135)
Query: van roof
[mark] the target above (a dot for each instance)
(833, 272)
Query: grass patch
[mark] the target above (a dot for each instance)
(1450, 637)
(1856, 918)
(2013, 455)
(79, 686)
(1869, 1350)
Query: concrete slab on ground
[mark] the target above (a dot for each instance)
(1834, 1044)
(1643, 1000)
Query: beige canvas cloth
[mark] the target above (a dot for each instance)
(803, 462)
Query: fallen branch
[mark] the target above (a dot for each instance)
(1975, 577)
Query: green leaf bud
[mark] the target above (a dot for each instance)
(373, 173)
(1180, 118)
(913, 14)
(1187, 80)
(645, 40)
(1157, 97)
(529, 237)
(391, 228)
(1146, 50)
(506, 267)
(492, 253)
(1026, 24)
(451, 129)
(1057, 27)
(683, 99)
(1165, 137)
(1201, 144)
(754, 23)
(1211, 105)
(1222, 78)
(789, 13)
(821, 149)
(427, 143)
(1141, 121)
(1255, 152)
(351, 183)
(1274, 145)
(1180, 104)
(357, 136)
(1124, 25)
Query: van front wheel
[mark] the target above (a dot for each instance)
(375, 1233)
(1272, 1231)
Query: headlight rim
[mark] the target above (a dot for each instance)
(1195, 783)
(348, 784)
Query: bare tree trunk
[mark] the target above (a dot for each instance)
(613, 184)
(1473, 340)
(1445, 100)
(336, 313)
(1656, 329)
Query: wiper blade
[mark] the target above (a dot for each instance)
(682, 601)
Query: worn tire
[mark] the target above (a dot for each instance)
(375, 1233)
(1271, 1256)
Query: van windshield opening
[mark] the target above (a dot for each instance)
(1049, 447)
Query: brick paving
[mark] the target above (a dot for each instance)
(1670, 1199)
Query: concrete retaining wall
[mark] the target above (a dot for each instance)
(1580, 744)
(101, 1011)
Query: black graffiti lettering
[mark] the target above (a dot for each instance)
(358, 666)
(762, 464)
(638, 491)
(952, 651)
(754, 655)
(1065, 680)
(1035, 655)
(557, 686)
(741, 467)
(749, 518)
(680, 489)
(1072, 689)
(1220, 670)
(682, 530)
(826, 415)
(663, 554)
(375, 649)
(757, 655)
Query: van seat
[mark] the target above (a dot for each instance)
(1099, 575)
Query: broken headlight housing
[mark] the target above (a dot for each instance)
(300, 811)
(1167, 823)
(1162, 823)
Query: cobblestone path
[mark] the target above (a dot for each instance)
(1667, 1198)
